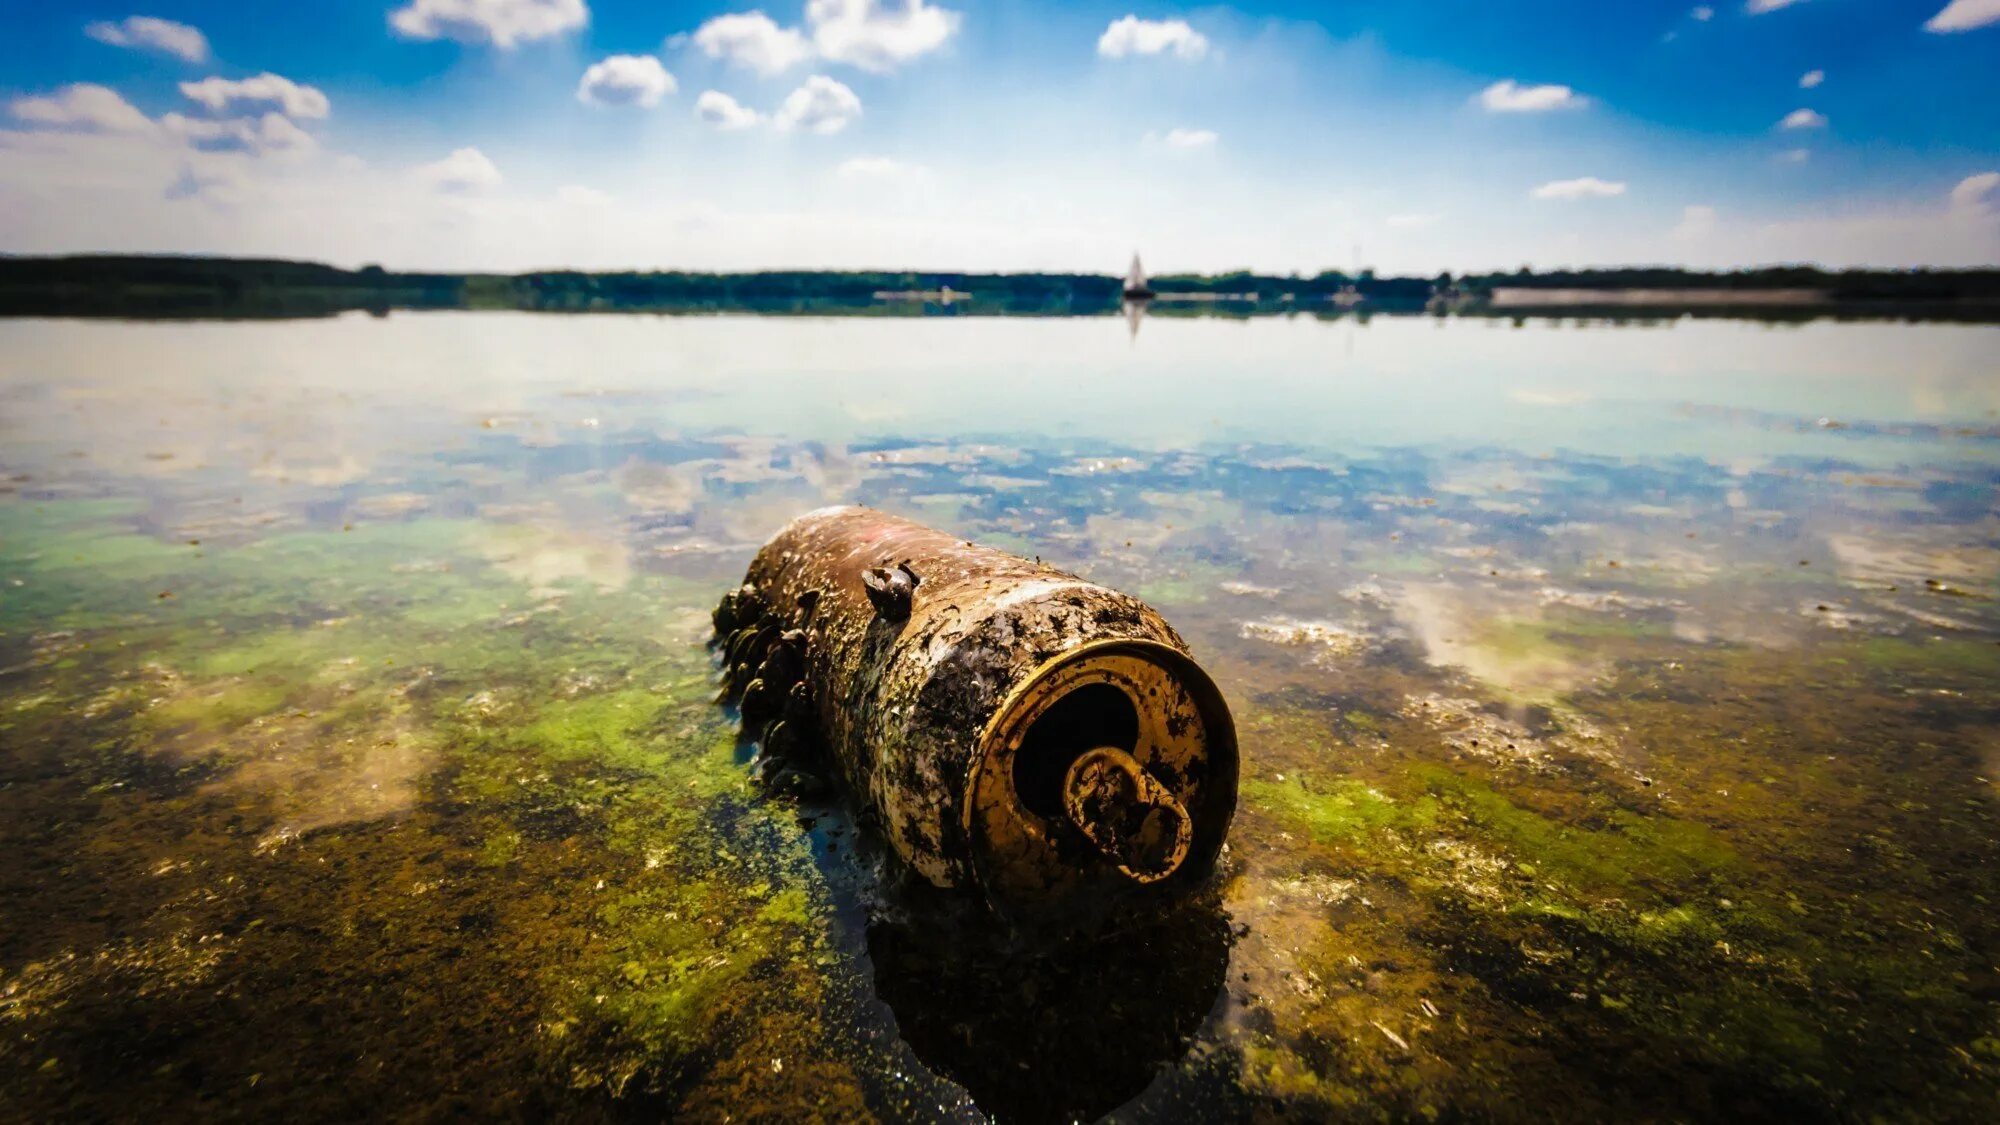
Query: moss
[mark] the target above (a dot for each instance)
(1758, 881)
(1955, 657)
(1627, 850)
(1336, 811)
(220, 705)
(499, 848)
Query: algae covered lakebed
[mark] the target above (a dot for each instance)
(1619, 710)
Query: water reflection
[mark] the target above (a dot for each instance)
(1617, 705)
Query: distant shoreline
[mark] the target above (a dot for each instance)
(164, 286)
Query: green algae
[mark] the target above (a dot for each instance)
(579, 724)
(1338, 810)
(378, 816)
(1664, 936)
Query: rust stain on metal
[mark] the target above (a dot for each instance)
(1008, 726)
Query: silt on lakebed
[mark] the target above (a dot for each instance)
(412, 797)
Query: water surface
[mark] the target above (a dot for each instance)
(1619, 706)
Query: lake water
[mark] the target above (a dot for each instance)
(1619, 709)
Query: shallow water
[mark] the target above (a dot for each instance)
(1620, 712)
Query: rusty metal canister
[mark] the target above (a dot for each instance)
(1007, 726)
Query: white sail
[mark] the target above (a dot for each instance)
(1135, 281)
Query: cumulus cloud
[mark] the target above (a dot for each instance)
(1190, 138)
(272, 133)
(253, 117)
(822, 105)
(265, 93)
(1703, 13)
(1759, 7)
(1134, 36)
(1811, 79)
(753, 40)
(503, 23)
(626, 80)
(215, 187)
(145, 33)
(465, 171)
(1509, 96)
(1976, 194)
(875, 35)
(1803, 119)
(1964, 15)
(84, 107)
(725, 112)
(1584, 187)
(1795, 156)
(878, 35)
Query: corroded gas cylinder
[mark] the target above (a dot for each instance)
(1008, 726)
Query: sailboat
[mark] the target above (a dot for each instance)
(1136, 288)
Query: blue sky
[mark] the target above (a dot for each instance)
(1406, 135)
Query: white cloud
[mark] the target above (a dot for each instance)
(725, 112)
(503, 23)
(1811, 79)
(878, 35)
(216, 187)
(83, 106)
(626, 80)
(1803, 119)
(266, 92)
(145, 33)
(1697, 222)
(1509, 96)
(1134, 36)
(1703, 13)
(1964, 15)
(1414, 221)
(1190, 138)
(1759, 7)
(1584, 187)
(753, 40)
(877, 168)
(465, 171)
(64, 191)
(1979, 193)
(820, 106)
(272, 133)
(238, 119)
(1795, 156)
(577, 195)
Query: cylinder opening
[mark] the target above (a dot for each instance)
(1088, 717)
(1110, 770)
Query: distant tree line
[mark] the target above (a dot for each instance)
(141, 285)
(573, 289)
(1319, 287)
(1840, 285)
